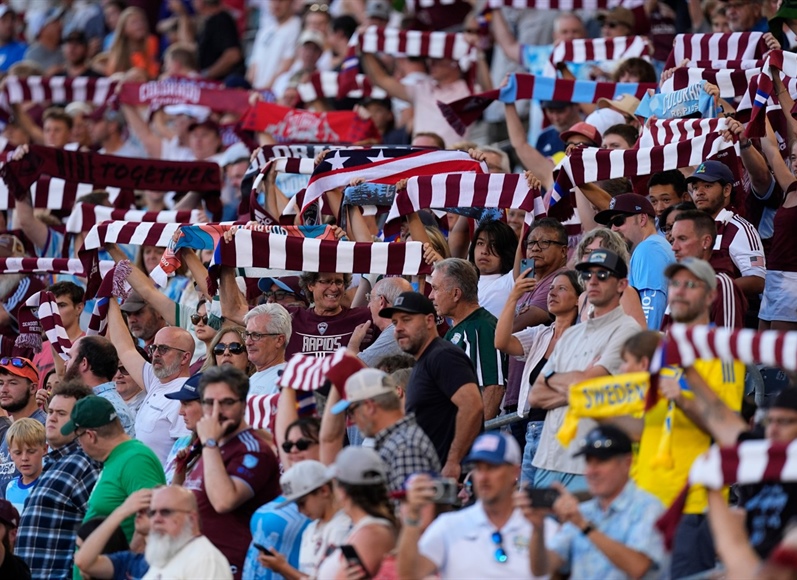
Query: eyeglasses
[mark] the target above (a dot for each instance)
(779, 421)
(162, 349)
(500, 553)
(617, 221)
(196, 318)
(278, 294)
(369, 297)
(255, 336)
(14, 361)
(690, 284)
(665, 229)
(318, 8)
(166, 512)
(613, 24)
(223, 403)
(542, 244)
(123, 371)
(324, 282)
(300, 444)
(601, 275)
(233, 347)
(79, 435)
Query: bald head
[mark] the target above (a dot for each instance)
(181, 504)
(177, 338)
(172, 353)
(390, 288)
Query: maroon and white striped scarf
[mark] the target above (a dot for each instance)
(57, 90)
(716, 46)
(307, 373)
(731, 83)
(46, 318)
(600, 49)
(86, 215)
(326, 85)
(113, 286)
(760, 91)
(135, 233)
(261, 411)
(566, 5)
(664, 131)
(55, 193)
(749, 462)
(497, 190)
(156, 94)
(68, 266)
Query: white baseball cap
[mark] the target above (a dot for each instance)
(363, 385)
(303, 478)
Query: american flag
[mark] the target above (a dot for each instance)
(339, 167)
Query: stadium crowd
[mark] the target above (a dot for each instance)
(373, 289)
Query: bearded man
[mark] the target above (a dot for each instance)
(158, 423)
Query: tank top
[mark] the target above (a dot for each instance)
(330, 566)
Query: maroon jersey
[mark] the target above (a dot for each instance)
(782, 255)
(13, 302)
(323, 335)
(737, 250)
(248, 458)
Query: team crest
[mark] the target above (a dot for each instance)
(322, 327)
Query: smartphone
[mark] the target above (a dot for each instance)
(265, 550)
(542, 497)
(445, 490)
(352, 558)
(525, 264)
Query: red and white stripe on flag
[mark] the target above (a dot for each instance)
(86, 215)
(497, 190)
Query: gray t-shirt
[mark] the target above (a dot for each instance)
(384, 345)
(44, 57)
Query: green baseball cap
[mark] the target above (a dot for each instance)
(89, 412)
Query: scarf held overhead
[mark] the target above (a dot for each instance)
(287, 125)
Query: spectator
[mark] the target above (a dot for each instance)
(455, 295)
(144, 321)
(740, 253)
(58, 503)
(372, 402)
(176, 548)
(132, 393)
(275, 44)
(185, 451)
(133, 46)
(285, 291)
(18, 383)
(107, 128)
(27, 444)
(612, 534)
(666, 189)
(632, 216)
(218, 43)
(620, 136)
(237, 472)
(492, 252)
(268, 333)
(381, 296)
(308, 484)
(228, 347)
(443, 394)
(45, 50)
(69, 299)
(92, 559)
(94, 362)
(447, 547)
(127, 464)
(157, 422)
(75, 48)
(11, 50)
(11, 566)
(562, 117)
(360, 488)
(585, 351)
(746, 17)
(534, 345)
(693, 236)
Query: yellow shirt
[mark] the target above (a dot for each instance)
(688, 441)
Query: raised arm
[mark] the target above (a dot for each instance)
(504, 340)
(379, 77)
(504, 37)
(529, 157)
(119, 335)
(151, 142)
(233, 303)
(333, 428)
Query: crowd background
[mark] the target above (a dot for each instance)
(398, 289)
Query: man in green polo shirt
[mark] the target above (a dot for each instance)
(455, 293)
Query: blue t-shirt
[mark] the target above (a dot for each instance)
(8, 471)
(17, 492)
(276, 529)
(128, 566)
(646, 273)
(11, 53)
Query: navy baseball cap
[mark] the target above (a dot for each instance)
(604, 442)
(189, 391)
(626, 204)
(711, 171)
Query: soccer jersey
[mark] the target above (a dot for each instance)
(323, 335)
(475, 334)
(737, 250)
(17, 492)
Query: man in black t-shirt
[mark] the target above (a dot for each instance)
(442, 389)
(218, 42)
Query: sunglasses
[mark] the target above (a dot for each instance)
(278, 294)
(17, 362)
(617, 221)
(165, 512)
(500, 553)
(162, 349)
(300, 444)
(233, 347)
(196, 318)
(123, 371)
(601, 275)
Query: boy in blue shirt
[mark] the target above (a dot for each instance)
(27, 445)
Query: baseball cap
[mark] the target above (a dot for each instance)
(621, 15)
(5, 9)
(198, 112)
(210, 123)
(699, 268)
(378, 9)
(605, 259)
(555, 104)
(21, 367)
(411, 302)
(786, 399)
(358, 466)
(39, 20)
(362, 385)
(9, 514)
(11, 246)
(76, 36)
(89, 412)
(310, 35)
(624, 104)
(711, 171)
(628, 204)
(133, 303)
(495, 448)
(583, 129)
(287, 283)
(303, 478)
(604, 442)
(235, 153)
(189, 391)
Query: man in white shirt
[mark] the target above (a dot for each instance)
(158, 423)
(275, 44)
(268, 332)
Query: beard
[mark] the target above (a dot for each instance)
(161, 547)
(9, 283)
(72, 372)
(19, 404)
(164, 370)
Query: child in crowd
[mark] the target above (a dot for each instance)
(27, 445)
(638, 351)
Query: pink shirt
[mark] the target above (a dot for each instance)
(427, 115)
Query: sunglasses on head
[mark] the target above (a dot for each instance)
(14, 361)
(233, 347)
(300, 444)
(196, 318)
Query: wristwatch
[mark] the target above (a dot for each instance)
(211, 443)
(586, 530)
